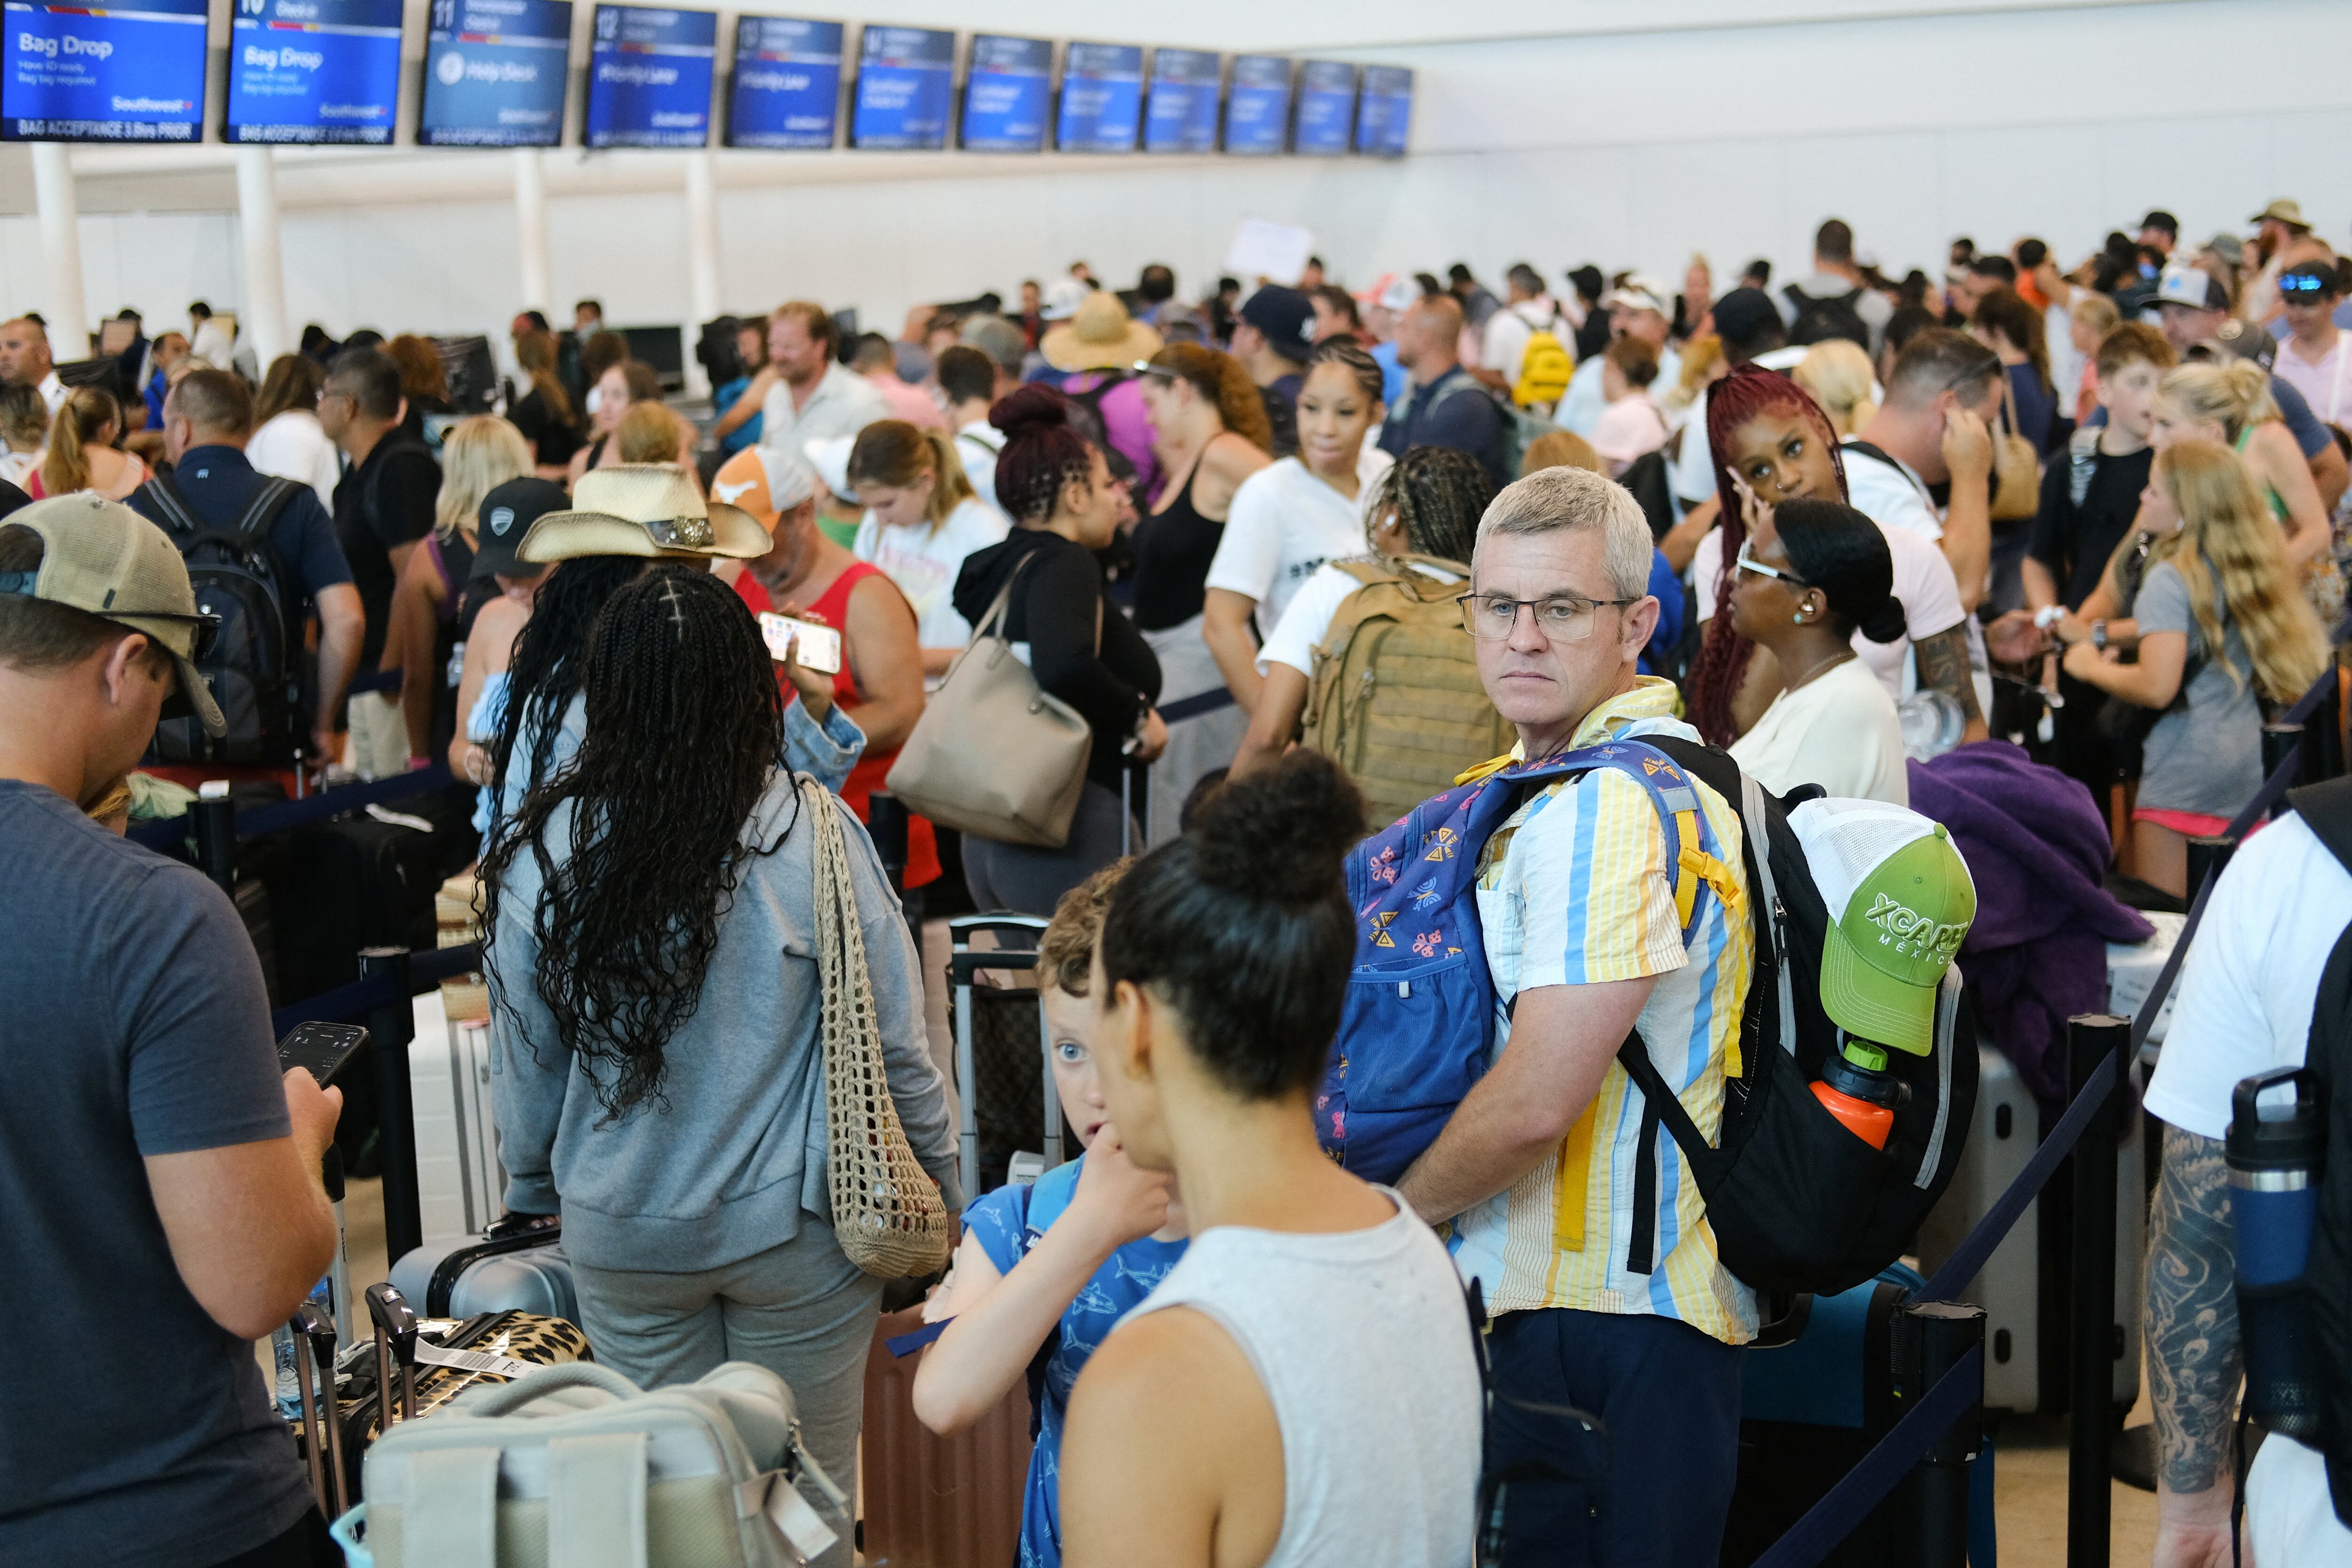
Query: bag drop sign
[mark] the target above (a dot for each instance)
(78, 74)
(313, 70)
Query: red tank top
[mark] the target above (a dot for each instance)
(832, 609)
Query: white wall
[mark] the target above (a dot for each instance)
(1715, 128)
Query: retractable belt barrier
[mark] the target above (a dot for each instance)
(253, 822)
(1845, 1505)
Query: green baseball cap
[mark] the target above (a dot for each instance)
(1900, 901)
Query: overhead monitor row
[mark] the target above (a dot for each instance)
(495, 73)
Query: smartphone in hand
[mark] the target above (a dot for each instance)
(322, 1047)
(820, 646)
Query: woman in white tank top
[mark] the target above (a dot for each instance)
(1301, 1389)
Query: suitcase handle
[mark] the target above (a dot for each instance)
(314, 1347)
(507, 1398)
(396, 1342)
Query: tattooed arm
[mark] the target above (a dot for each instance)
(2192, 1352)
(1944, 664)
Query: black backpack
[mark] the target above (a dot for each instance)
(2326, 1284)
(1818, 320)
(1797, 1203)
(251, 666)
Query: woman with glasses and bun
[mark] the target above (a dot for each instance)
(1810, 575)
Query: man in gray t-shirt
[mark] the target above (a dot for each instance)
(2205, 755)
(160, 1184)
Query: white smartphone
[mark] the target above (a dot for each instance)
(820, 646)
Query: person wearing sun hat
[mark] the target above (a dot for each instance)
(1096, 353)
(1900, 902)
(624, 521)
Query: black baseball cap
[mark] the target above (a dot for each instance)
(506, 514)
(1286, 317)
(2158, 218)
(1744, 316)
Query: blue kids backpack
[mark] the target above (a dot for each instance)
(1797, 1203)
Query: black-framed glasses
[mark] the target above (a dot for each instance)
(1561, 617)
(1745, 561)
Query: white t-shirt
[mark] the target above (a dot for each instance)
(1285, 524)
(1300, 631)
(2326, 386)
(292, 445)
(1838, 731)
(2247, 991)
(978, 445)
(1894, 497)
(1923, 581)
(924, 561)
(1508, 331)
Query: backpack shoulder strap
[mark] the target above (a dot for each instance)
(261, 513)
(180, 518)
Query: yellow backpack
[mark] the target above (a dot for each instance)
(1544, 371)
(1396, 699)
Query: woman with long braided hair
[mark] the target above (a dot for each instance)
(651, 948)
(1422, 522)
(1764, 432)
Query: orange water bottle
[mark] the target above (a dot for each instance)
(1858, 1091)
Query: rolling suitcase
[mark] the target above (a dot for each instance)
(930, 1502)
(508, 1269)
(411, 1366)
(460, 1184)
(2024, 1286)
(1003, 1089)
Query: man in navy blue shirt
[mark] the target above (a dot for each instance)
(1444, 407)
(207, 419)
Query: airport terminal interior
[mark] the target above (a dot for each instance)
(1337, 785)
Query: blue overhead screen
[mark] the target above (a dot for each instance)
(313, 70)
(494, 73)
(787, 88)
(1182, 116)
(649, 77)
(904, 81)
(1327, 108)
(1102, 98)
(1385, 113)
(77, 74)
(1007, 90)
(1257, 109)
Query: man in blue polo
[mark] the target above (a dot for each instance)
(207, 419)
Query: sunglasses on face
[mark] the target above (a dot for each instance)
(2301, 288)
(1746, 561)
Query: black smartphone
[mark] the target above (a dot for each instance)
(323, 1048)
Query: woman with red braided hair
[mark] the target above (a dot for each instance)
(1765, 433)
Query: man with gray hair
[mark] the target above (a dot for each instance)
(1503, 345)
(1584, 1227)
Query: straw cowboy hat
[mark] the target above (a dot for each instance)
(643, 509)
(1100, 337)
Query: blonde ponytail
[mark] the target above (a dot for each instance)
(2235, 396)
(80, 419)
(895, 453)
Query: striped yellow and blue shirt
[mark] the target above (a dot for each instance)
(1574, 890)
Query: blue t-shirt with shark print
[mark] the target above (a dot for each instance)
(1007, 1224)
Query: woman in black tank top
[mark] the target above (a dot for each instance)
(1208, 425)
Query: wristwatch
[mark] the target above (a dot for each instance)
(2099, 635)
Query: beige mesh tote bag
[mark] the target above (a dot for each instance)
(888, 1213)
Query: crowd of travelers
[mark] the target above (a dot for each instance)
(1286, 561)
